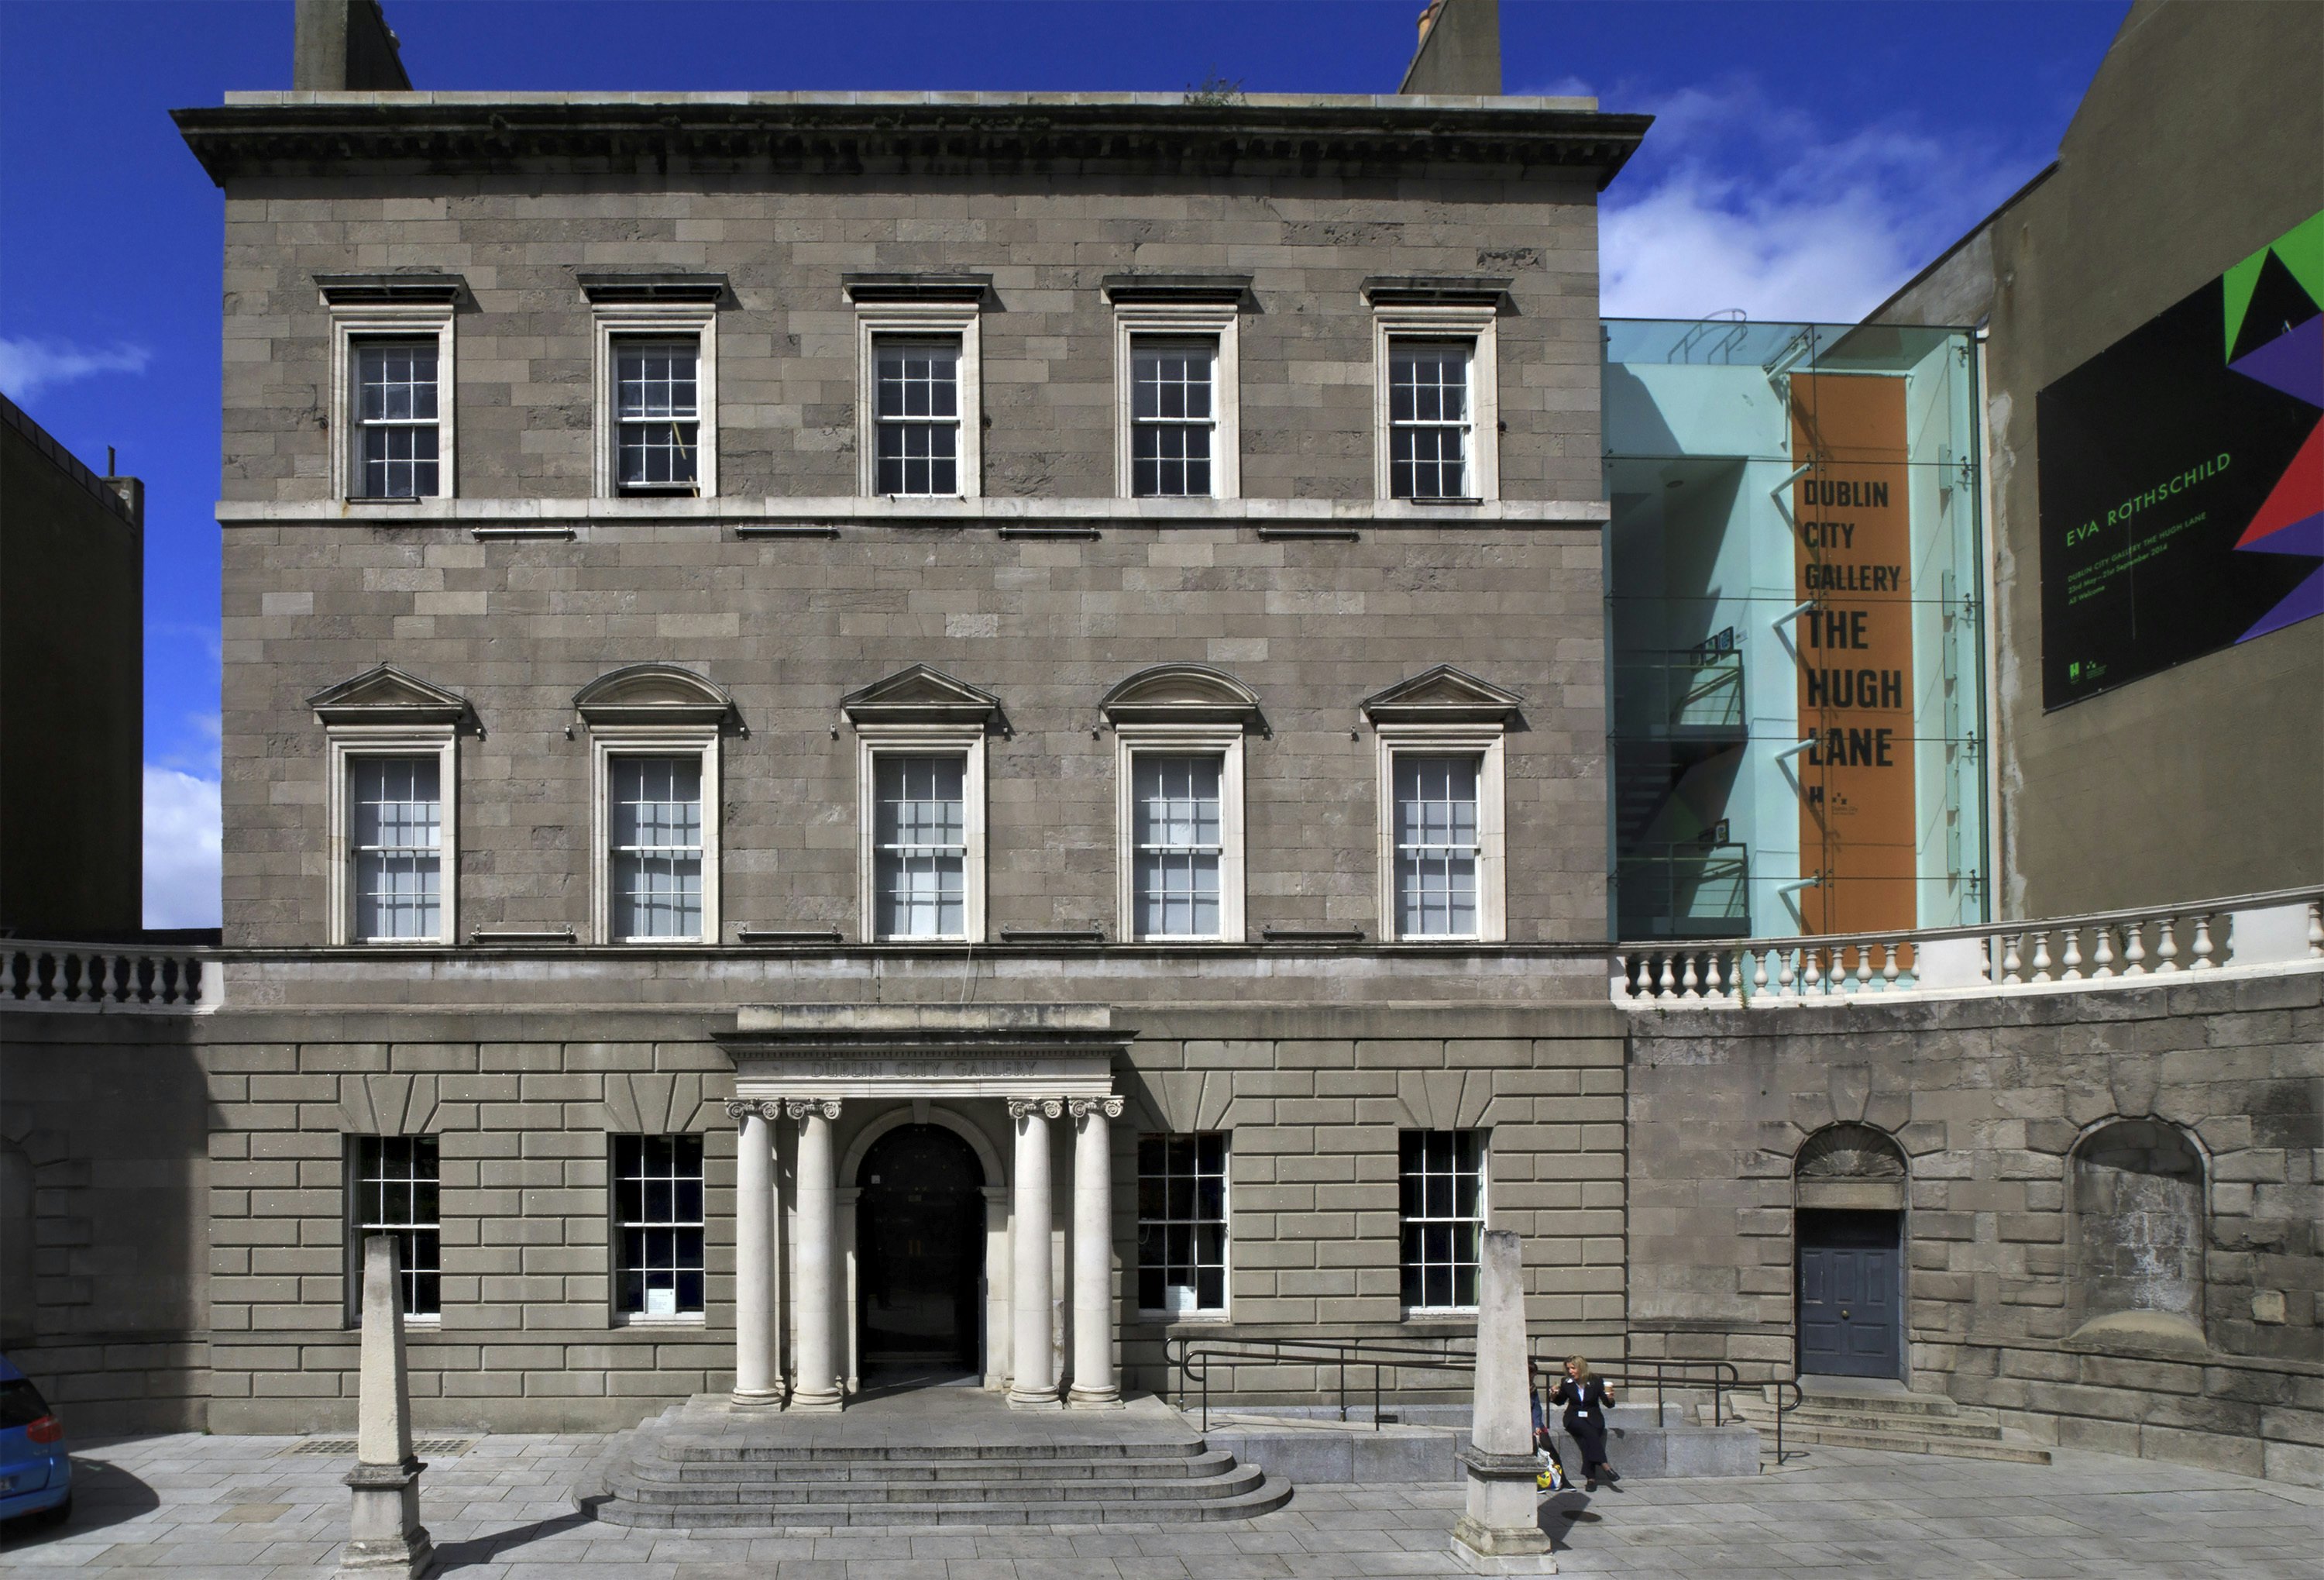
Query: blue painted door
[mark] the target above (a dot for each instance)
(1851, 1311)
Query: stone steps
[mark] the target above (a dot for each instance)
(1898, 1423)
(696, 1467)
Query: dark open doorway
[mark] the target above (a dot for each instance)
(920, 1236)
(1851, 1293)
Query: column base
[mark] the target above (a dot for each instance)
(756, 1398)
(1095, 1399)
(1034, 1402)
(818, 1400)
(1481, 1561)
(384, 1536)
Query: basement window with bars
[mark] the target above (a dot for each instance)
(396, 1184)
(658, 1226)
(1440, 1180)
(1182, 1224)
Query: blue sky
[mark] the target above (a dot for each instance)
(1809, 158)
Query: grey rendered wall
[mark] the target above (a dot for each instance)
(73, 644)
(2201, 141)
(1988, 1099)
(110, 1113)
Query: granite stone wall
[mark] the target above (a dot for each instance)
(1992, 1100)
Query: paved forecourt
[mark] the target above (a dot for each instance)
(501, 1509)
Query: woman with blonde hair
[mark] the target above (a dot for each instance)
(1586, 1398)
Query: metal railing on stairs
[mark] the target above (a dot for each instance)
(1192, 1358)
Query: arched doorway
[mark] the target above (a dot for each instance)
(919, 1251)
(1849, 1190)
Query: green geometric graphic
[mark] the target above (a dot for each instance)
(2300, 250)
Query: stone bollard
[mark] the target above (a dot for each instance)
(383, 1530)
(1501, 1533)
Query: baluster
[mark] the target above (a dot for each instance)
(1619, 984)
(197, 979)
(1864, 966)
(44, 968)
(1759, 971)
(75, 967)
(1786, 979)
(1810, 974)
(170, 973)
(2134, 949)
(1888, 965)
(1985, 958)
(144, 991)
(20, 974)
(1669, 983)
(1711, 974)
(2203, 961)
(2316, 929)
(2010, 963)
(2104, 955)
(2073, 960)
(2041, 955)
(1687, 988)
(2166, 949)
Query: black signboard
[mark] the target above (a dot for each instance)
(2159, 457)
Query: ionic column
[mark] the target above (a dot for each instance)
(817, 1385)
(1035, 1385)
(757, 1376)
(1095, 1384)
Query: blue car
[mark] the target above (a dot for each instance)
(35, 1471)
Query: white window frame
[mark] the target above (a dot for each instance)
(355, 322)
(1442, 322)
(353, 1222)
(345, 742)
(1216, 321)
(607, 742)
(655, 321)
(1224, 741)
(1224, 1310)
(617, 1226)
(1485, 743)
(1484, 1219)
(966, 741)
(912, 320)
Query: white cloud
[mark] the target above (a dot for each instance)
(1754, 204)
(29, 366)
(181, 849)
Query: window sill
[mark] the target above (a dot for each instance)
(1447, 499)
(1436, 1313)
(643, 1319)
(648, 941)
(1217, 1318)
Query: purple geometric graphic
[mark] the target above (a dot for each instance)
(2292, 363)
(2304, 601)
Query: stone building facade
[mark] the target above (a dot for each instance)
(1204, 1054)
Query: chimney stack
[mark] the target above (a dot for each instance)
(343, 45)
(1460, 50)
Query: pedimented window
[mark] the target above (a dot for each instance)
(922, 695)
(1182, 694)
(647, 694)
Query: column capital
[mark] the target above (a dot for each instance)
(1048, 1108)
(740, 1109)
(798, 1108)
(1083, 1107)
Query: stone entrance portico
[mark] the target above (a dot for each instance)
(810, 1065)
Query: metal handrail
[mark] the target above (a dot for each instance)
(1192, 1355)
(1799, 1398)
(1672, 1371)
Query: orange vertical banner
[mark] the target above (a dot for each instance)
(1852, 549)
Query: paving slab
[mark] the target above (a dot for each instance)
(245, 1508)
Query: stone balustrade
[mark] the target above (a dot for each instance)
(2243, 932)
(105, 976)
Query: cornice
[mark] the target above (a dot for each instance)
(853, 135)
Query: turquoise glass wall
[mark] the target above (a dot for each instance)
(1765, 783)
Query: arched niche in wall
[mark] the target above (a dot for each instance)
(1852, 1168)
(2135, 1265)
